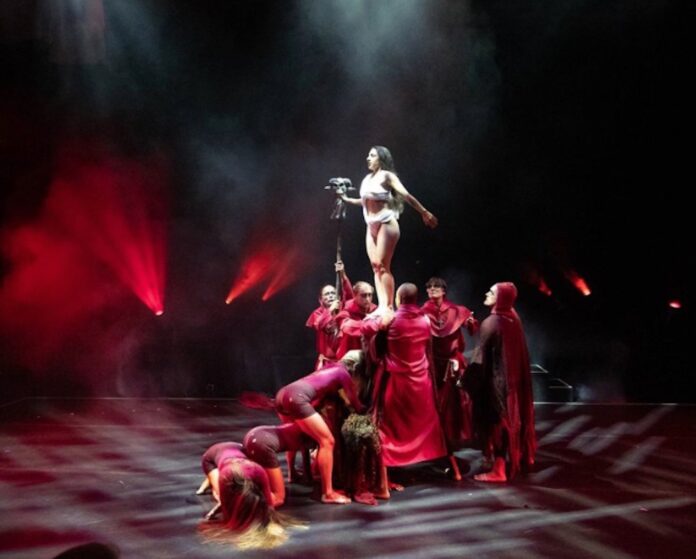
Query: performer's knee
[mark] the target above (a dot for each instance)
(327, 441)
(379, 268)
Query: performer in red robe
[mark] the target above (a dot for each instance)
(503, 401)
(454, 403)
(350, 318)
(323, 318)
(406, 413)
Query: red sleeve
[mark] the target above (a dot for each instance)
(312, 319)
(321, 319)
(370, 326)
(350, 326)
(347, 289)
(472, 325)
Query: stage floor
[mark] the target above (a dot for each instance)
(611, 481)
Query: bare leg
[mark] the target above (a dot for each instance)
(290, 454)
(383, 492)
(371, 245)
(386, 486)
(292, 472)
(380, 250)
(205, 485)
(456, 474)
(214, 479)
(316, 427)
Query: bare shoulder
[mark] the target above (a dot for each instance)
(388, 178)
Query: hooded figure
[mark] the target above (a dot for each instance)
(502, 388)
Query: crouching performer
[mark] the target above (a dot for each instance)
(243, 496)
(298, 402)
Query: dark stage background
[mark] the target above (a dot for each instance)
(164, 155)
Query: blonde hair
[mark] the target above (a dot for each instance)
(354, 360)
(248, 520)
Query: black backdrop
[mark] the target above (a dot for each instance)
(549, 140)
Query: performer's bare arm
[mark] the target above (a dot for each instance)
(393, 181)
(277, 486)
(351, 201)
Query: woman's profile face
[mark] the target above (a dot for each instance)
(373, 163)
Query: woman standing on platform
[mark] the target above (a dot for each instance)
(381, 196)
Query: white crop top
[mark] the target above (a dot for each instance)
(371, 188)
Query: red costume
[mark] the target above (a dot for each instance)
(349, 321)
(228, 456)
(503, 399)
(446, 322)
(323, 321)
(299, 399)
(407, 417)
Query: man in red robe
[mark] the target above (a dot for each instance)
(323, 318)
(446, 322)
(503, 400)
(407, 416)
(350, 318)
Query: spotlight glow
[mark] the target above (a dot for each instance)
(578, 282)
(533, 276)
(277, 266)
(287, 271)
(115, 209)
(255, 268)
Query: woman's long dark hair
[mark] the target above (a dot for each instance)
(386, 163)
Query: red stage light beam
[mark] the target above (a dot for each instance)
(543, 287)
(533, 276)
(578, 282)
(254, 269)
(115, 209)
(287, 272)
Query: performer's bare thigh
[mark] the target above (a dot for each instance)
(381, 248)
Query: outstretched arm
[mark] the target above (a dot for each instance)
(351, 201)
(428, 218)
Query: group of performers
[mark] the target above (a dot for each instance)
(391, 387)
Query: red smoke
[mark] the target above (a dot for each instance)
(98, 239)
(272, 264)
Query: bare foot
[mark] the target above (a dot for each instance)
(204, 487)
(385, 495)
(395, 486)
(491, 477)
(335, 499)
(366, 498)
